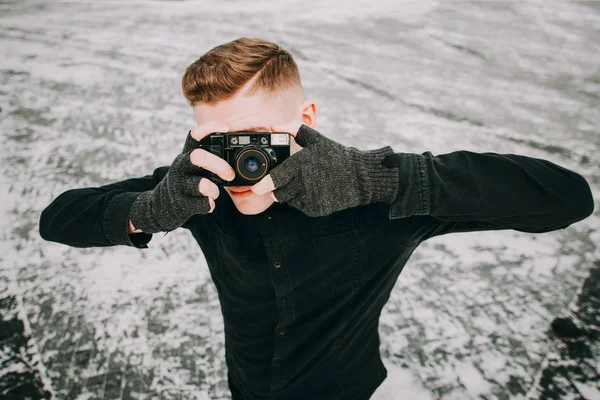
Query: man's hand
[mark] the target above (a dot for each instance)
(325, 176)
(182, 193)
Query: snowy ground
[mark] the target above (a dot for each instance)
(90, 94)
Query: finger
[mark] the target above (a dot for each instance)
(201, 131)
(208, 188)
(190, 185)
(307, 136)
(290, 127)
(210, 162)
(190, 143)
(265, 185)
(248, 122)
(196, 134)
(202, 204)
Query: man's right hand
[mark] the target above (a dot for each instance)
(183, 192)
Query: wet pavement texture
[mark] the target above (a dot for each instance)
(90, 93)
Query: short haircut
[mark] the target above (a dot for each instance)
(223, 70)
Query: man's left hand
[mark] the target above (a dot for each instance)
(325, 176)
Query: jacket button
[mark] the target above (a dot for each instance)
(277, 264)
(282, 332)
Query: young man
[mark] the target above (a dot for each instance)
(305, 260)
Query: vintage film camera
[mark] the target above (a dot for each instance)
(251, 154)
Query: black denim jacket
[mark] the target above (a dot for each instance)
(301, 297)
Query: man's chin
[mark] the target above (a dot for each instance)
(252, 205)
(251, 209)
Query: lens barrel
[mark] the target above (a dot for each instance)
(252, 164)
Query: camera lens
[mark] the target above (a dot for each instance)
(252, 164)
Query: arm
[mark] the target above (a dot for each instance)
(161, 202)
(465, 191)
(95, 217)
(457, 192)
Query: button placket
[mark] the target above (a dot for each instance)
(277, 373)
(281, 284)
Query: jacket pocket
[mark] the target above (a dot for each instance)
(340, 261)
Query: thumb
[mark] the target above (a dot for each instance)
(307, 136)
(279, 176)
(265, 185)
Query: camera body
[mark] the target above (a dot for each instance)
(251, 154)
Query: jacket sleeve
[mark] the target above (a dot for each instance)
(465, 191)
(97, 216)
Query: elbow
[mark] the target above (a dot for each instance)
(44, 225)
(49, 222)
(588, 207)
(52, 218)
(584, 205)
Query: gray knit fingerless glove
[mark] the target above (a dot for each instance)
(174, 200)
(325, 176)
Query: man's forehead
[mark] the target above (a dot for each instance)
(255, 118)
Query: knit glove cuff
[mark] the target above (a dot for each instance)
(379, 183)
(173, 201)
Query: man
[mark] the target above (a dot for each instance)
(305, 259)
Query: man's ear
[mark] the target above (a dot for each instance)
(308, 116)
(309, 113)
